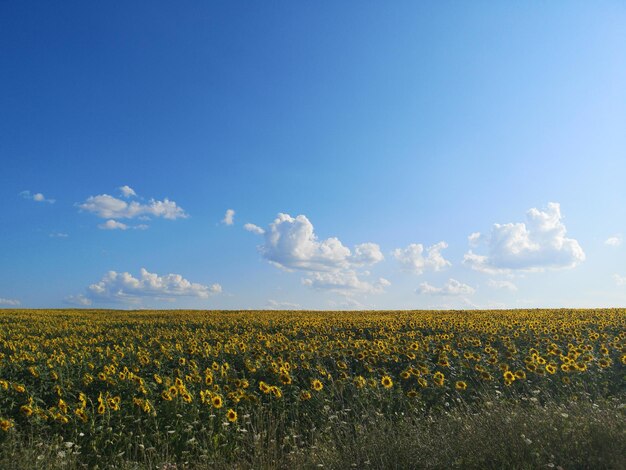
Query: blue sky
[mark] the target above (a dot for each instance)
(364, 141)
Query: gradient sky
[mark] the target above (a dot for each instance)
(365, 142)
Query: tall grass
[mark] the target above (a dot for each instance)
(493, 433)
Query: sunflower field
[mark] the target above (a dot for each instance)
(253, 389)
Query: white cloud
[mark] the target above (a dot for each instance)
(619, 280)
(290, 243)
(37, 197)
(480, 263)
(347, 303)
(615, 240)
(282, 305)
(58, 235)
(367, 254)
(501, 284)
(123, 287)
(127, 191)
(109, 207)
(451, 287)
(345, 282)
(79, 300)
(11, 302)
(229, 217)
(537, 244)
(113, 225)
(254, 229)
(412, 257)
(474, 238)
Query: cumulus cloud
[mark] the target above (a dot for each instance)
(78, 300)
(345, 282)
(615, 240)
(124, 287)
(290, 243)
(412, 258)
(535, 245)
(10, 302)
(254, 229)
(501, 284)
(109, 207)
(229, 217)
(367, 254)
(127, 191)
(113, 225)
(619, 280)
(473, 239)
(37, 197)
(348, 303)
(282, 305)
(452, 287)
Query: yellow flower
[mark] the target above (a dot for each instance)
(27, 410)
(438, 379)
(359, 381)
(62, 405)
(305, 395)
(217, 401)
(6, 424)
(147, 407)
(82, 415)
(231, 415)
(114, 403)
(317, 385)
(386, 381)
(460, 385)
(82, 399)
(187, 398)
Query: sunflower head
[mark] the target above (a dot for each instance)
(386, 381)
